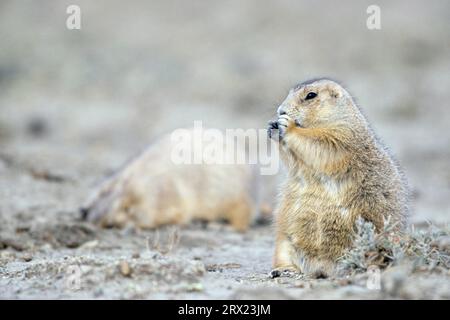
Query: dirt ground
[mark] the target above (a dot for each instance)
(76, 104)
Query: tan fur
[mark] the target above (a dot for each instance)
(152, 191)
(337, 171)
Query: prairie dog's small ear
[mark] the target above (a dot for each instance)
(335, 90)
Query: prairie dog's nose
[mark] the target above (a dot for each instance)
(281, 110)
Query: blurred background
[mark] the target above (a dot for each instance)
(75, 104)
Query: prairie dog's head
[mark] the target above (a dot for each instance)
(317, 103)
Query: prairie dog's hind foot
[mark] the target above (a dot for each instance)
(289, 272)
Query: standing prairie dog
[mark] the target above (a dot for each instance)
(337, 171)
(154, 189)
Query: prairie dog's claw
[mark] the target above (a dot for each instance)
(283, 122)
(273, 125)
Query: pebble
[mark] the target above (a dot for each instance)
(27, 257)
(125, 268)
(136, 255)
(89, 244)
(194, 287)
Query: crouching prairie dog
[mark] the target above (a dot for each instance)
(159, 188)
(338, 170)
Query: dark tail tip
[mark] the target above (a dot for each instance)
(84, 212)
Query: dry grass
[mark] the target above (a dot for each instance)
(426, 249)
(172, 241)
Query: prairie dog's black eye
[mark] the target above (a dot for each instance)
(311, 95)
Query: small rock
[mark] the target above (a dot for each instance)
(344, 282)
(125, 268)
(46, 247)
(194, 287)
(136, 255)
(89, 244)
(27, 257)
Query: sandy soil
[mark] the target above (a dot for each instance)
(76, 104)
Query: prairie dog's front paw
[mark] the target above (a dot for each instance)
(284, 122)
(273, 125)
